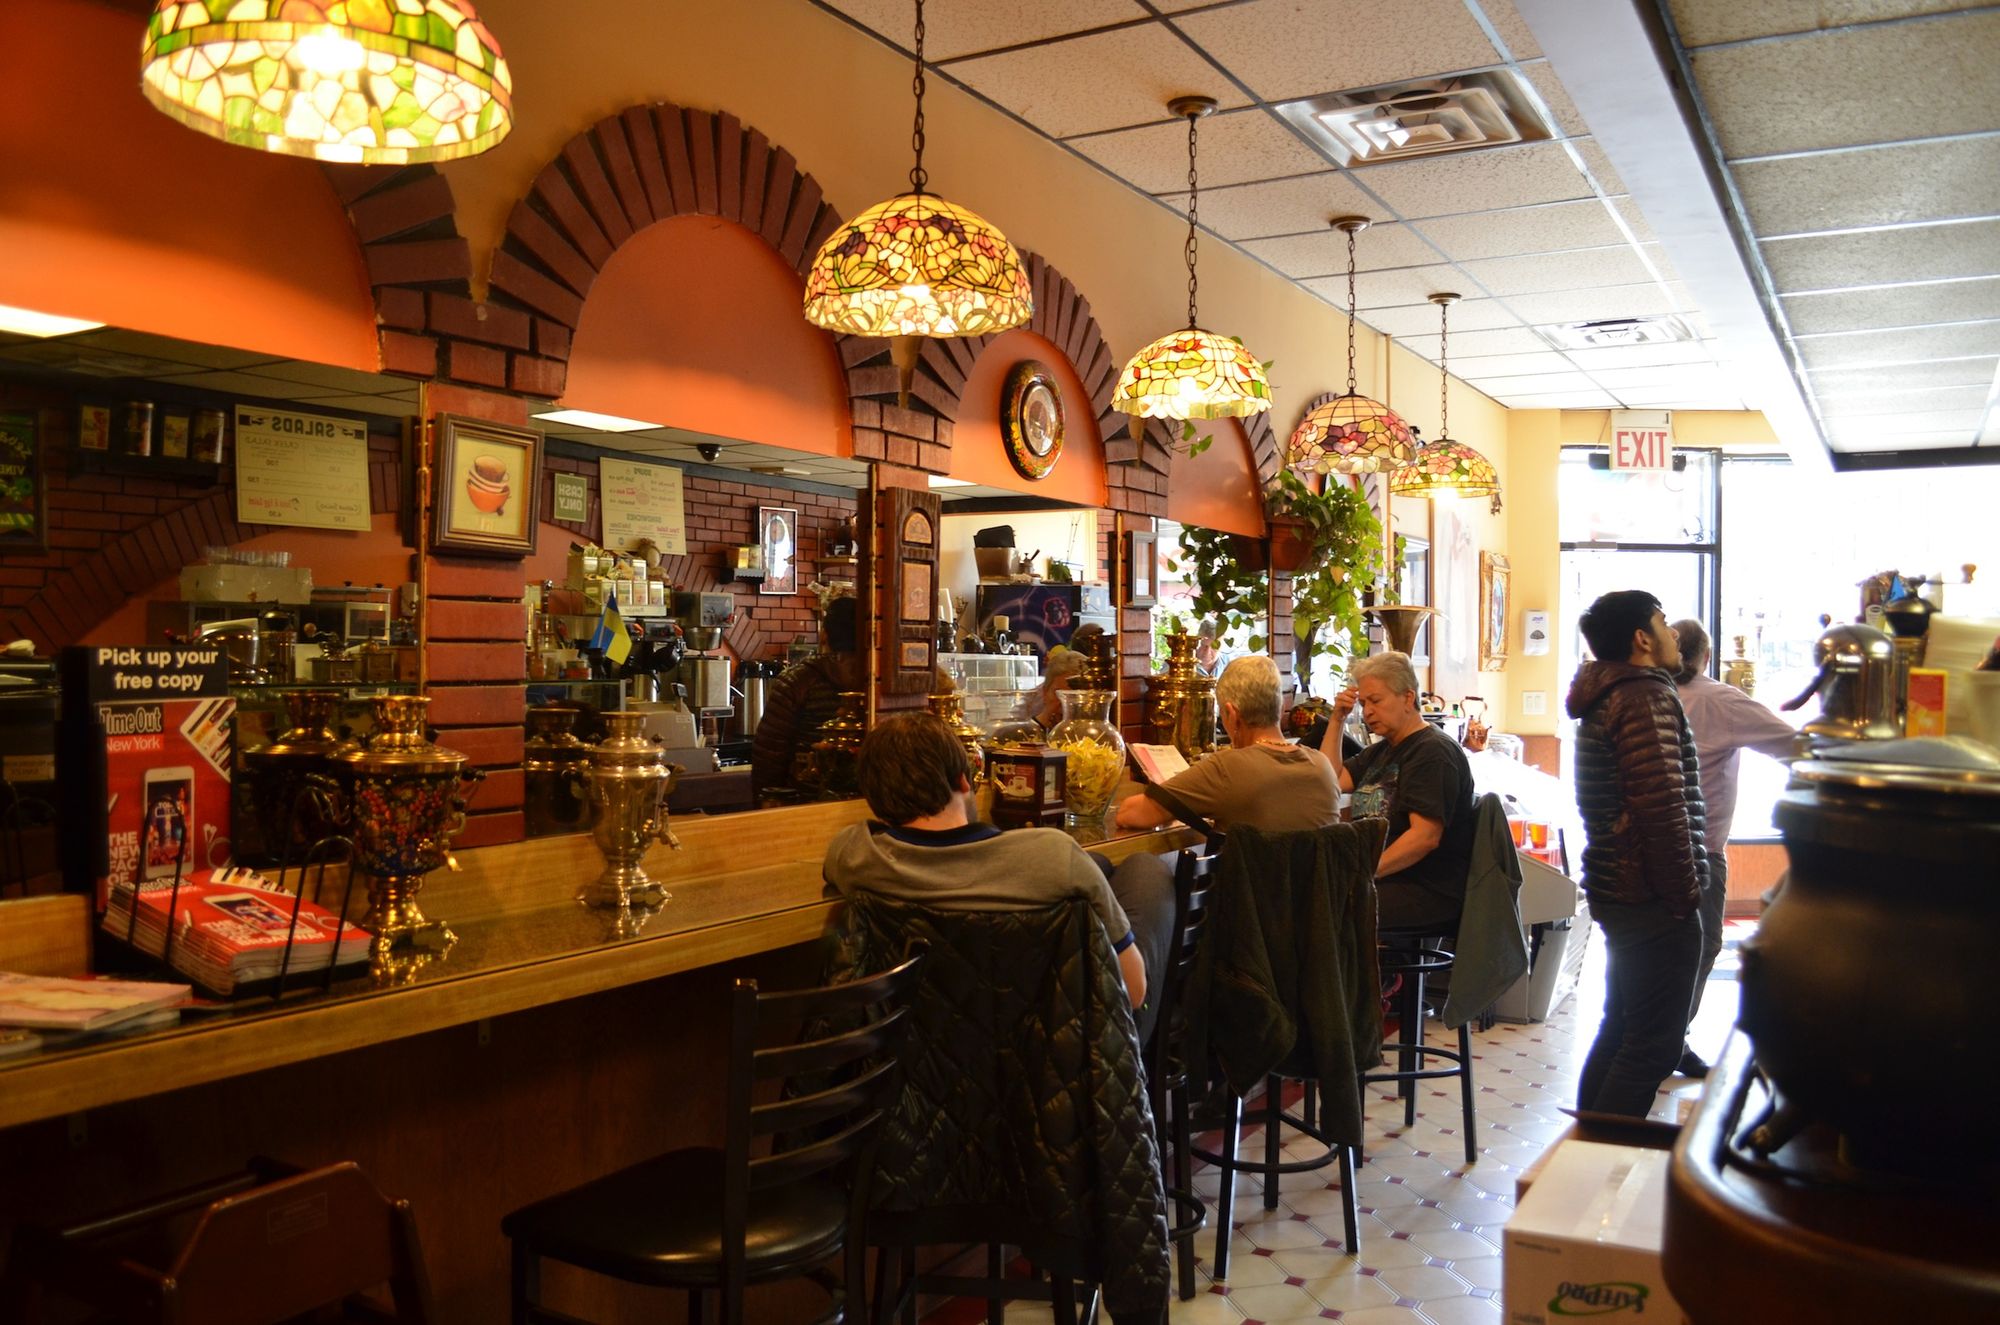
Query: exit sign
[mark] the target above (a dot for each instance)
(1642, 439)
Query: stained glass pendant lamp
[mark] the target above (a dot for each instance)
(372, 82)
(1445, 468)
(1350, 434)
(917, 266)
(1192, 374)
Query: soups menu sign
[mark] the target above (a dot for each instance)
(307, 470)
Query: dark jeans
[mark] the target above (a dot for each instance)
(1144, 887)
(1713, 899)
(1650, 961)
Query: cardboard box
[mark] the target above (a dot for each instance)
(1609, 1129)
(1585, 1241)
(1926, 706)
(144, 751)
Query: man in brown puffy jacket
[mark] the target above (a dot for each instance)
(1639, 792)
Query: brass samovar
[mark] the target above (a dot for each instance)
(1180, 702)
(629, 786)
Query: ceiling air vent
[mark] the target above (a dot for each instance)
(1425, 117)
(1616, 333)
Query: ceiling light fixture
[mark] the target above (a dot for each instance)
(1350, 434)
(1445, 468)
(583, 418)
(33, 322)
(1192, 374)
(372, 82)
(917, 266)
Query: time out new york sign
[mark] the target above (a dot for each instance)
(1642, 439)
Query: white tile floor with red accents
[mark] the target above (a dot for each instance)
(1430, 1223)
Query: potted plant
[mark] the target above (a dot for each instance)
(1330, 543)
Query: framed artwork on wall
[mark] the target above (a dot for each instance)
(1493, 575)
(778, 537)
(1142, 576)
(1455, 637)
(908, 602)
(24, 504)
(488, 488)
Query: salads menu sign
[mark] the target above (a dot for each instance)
(307, 470)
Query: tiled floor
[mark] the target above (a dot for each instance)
(1430, 1222)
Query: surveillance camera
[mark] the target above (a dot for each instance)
(708, 451)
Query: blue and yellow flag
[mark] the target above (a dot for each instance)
(611, 638)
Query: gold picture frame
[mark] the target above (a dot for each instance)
(487, 492)
(1493, 576)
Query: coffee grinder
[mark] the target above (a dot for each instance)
(705, 669)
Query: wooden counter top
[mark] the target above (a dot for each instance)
(742, 884)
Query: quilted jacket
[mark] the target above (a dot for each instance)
(1638, 788)
(1023, 1116)
(1287, 978)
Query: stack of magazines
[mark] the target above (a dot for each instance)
(231, 928)
(48, 1004)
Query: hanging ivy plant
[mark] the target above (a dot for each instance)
(1341, 564)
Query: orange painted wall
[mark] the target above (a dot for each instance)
(336, 557)
(111, 211)
(694, 323)
(1218, 489)
(978, 453)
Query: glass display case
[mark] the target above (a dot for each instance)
(992, 682)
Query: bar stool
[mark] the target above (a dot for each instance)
(1415, 954)
(715, 1221)
(268, 1244)
(1166, 1065)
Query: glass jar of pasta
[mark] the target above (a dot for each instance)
(1095, 751)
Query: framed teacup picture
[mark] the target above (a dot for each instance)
(488, 488)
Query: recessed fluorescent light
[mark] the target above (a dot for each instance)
(797, 471)
(28, 322)
(940, 481)
(583, 418)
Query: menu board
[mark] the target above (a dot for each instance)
(301, 469)
(642, 501)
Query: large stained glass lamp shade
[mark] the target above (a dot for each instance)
(1445, 468)
(1191, 373)
(917, 265)
(372, 82)
(1351, 433)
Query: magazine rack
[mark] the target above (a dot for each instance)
(331, 849)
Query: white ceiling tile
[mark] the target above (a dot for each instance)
(960, 27)
(1853, 404)
(1942, 372)
(382, 405)
(1325, 253)
(1104, 81)
(1484, 366)
(1550, 229)
(1581, 268)
(1528, 384)
(1237, 147)
(1568, 120)
(1635, 220)
(1675, 398)
(1773, 96)
(1870, 348)
(1872, 186)
(1936, 441)
(330, 377)
(1513, 30)
(1654, 375)
(1609, 181)
(247, 384)
(1277, 207)
(1470, 181)
(1990, 435)
(1561, 400)
(1642, 356)
(1301, 48)
(1894, 306)
(1704, 21)
(1422, 320)
(1506, 340)
(1883, 429)
(1404, 285)
(1872, 257)
(1592, 305)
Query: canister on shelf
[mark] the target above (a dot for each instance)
(205, 437)
(135, 433)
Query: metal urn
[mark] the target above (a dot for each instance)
(629, 786)
(1180, 702)
(406, 800)
(949, 708)
(1400, 622)
(556, 794)
(290, 781)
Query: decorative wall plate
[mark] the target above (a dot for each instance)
(1031, 418)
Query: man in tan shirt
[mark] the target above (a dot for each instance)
(1261, 779)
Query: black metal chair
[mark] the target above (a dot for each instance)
(715, 1221)
(1166, 1065)
(1415, 954)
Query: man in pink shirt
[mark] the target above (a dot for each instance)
(1726, 722)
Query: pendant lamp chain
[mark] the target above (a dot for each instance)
(1350, 310)
(1444, 370)
(1194, 211)
(918, 175)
